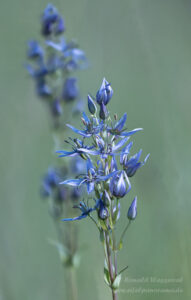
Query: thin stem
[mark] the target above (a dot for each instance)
(110, 266)
(71, 286)
(109, 258)
(124, 231)
(114, 252)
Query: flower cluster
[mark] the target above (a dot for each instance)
(51, 66)
(106, 148)
(59, 195)
(104, 143)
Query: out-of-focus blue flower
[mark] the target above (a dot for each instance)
(52, 22)
(53, 63)
(39, 72)
(50, 181)
(78, 165)
(132, 164)
(120, 184)
(34, 50)
(132, 212)
(118, 128)
(105, 93)
(85, 212)
(70, 89)
(56, 108)
(75, 194)
(89, 179)
(91, 127)
(42, 88)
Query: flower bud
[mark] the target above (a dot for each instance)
(103, 113)
(91, 105)
(132, 212)
(119, 190)
(118, 185)
(105, 93)
(109, 92)
(103, 213)
(101, 96)
(106, 199)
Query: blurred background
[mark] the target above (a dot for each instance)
(143, 47)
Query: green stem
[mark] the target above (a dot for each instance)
(110, 266)
(71, 286)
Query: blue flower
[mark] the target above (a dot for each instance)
(56, 108)
(132, 164)
(106, 149)
(34, 50)
(52, 22)
(119, 184)
(119, 130)
(85, 212)
(132, 212)
(78, 149)
(42, 88)
(91, 127)
(70, 89)
(73, 57)
(89, 179)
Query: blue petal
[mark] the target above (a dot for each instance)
(90, 166)
(129, 133)
(120, 144)
(145, 160)
(81, 132)
(73, 182)
(88, 151)
(66, 153)
(106, 177)
(76, 218)
(90, 187)
(55, 46)
(86, 118)
(120, 124)
(125, 152)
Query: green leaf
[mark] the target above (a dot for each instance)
(116, 282)
(107, 277)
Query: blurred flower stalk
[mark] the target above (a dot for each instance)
(103, 143)
(52, 65)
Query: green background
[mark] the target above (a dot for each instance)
(143, 47)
